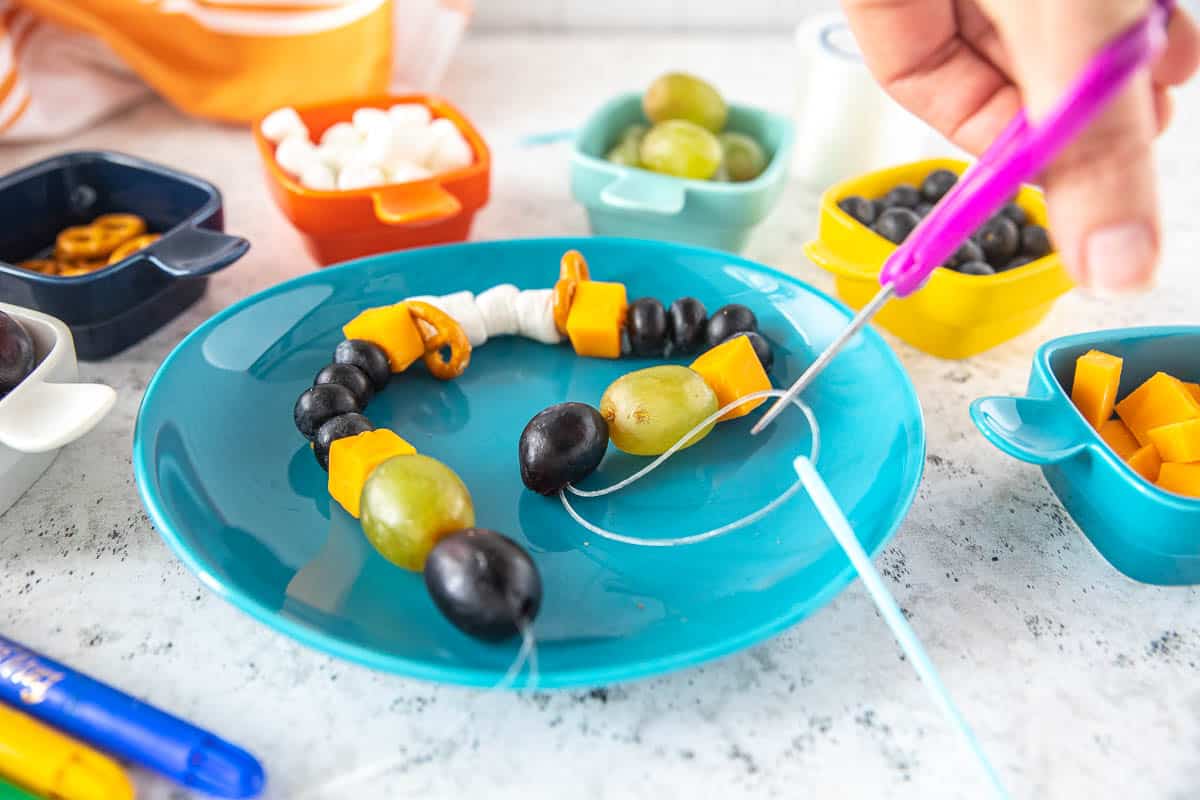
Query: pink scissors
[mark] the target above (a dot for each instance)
(1022, 150)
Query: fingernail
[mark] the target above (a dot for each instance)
(1120, 258)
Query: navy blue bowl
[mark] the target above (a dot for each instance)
(112, 308)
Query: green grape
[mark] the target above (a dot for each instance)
(409, 503)
(677, 95)
(681, 148)
(647, 411)
(743, 158)
(625, 151)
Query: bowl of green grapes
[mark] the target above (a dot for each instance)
(678, 162)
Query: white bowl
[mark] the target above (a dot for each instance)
(46, 410)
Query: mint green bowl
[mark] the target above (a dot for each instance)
(625, 201)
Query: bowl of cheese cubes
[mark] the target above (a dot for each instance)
(375, 174)
(1113, 419)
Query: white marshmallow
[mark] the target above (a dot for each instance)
(336, 156)
(341, 134)
(461, 306)
(498, 306)
(374, 150)
(366, 120)
(319, 176)
(283, 123)
(405, 115)
(404, 171)
(359, 176)
(295, 154)
(535, 316)
(452, 152)
(412, 144)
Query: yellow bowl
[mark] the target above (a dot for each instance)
(953, 315)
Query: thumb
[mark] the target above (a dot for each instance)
(1101, 191)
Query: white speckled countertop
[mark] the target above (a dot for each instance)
(1079, 682)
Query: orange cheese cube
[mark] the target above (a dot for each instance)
(1094, 392)
(1118, 437)
(595, 320)
(352, 459)
(393, 329)
(1179, 442)
(1180, 478)
(1194, 388)
(1161, 400)
(732, 370)
(1145, 462)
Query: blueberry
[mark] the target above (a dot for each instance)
(339, 427)
(896, 224)
(923, 209)
(762, 348)
(646, 322)
(728, 320)
(903, 196)
(484, 583)
(967, 251)
(560, 445)
(999, 239)
(1035, 241)
(976, 268)
(367, 356)
(349, 376)
(936, 184)
(1015, 213)
(320, 404)
(688, 320)
(626, 347)
(1019, 261)
(859, 208)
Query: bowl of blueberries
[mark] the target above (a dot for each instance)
(999, 284)
(42, 407)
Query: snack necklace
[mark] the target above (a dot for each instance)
(1021, 151)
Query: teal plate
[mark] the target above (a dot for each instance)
(235, 491)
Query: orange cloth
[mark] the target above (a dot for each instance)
(66, 63)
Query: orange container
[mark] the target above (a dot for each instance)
(338, 226)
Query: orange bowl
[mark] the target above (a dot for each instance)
(341, 225)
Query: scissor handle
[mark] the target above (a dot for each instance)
(1020, 152)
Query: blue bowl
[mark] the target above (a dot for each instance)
(1149, 534)
(625, 201)
(236, 492)
(112, 308)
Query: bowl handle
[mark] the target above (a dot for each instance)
(1031, 429)
(421, 202)
(636, 193)
(46, 416)
(824, 257)
(192, 252)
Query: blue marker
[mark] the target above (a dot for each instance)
(123, 726)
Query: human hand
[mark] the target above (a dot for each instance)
(968, 66)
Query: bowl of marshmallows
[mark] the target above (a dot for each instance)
(373, 175)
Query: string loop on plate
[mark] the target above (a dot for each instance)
(675, 448)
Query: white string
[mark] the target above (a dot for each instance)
(675, 448)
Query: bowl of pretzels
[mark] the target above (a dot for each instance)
(113, 245)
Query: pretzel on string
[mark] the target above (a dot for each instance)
(132, 246)
(572, 270)
(446, 333)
